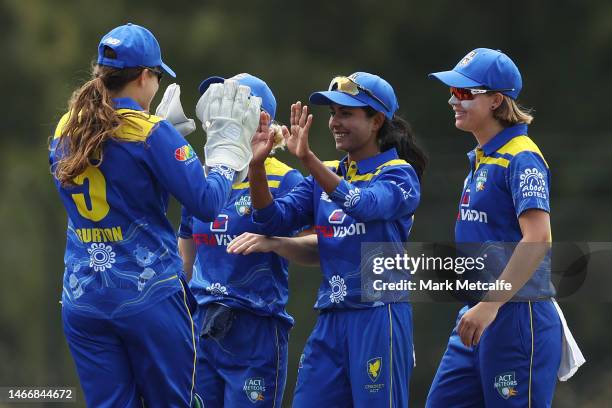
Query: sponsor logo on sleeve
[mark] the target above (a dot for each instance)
(533, 184)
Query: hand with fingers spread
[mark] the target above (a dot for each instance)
(475, 321)
(262, 141)
(297, 136)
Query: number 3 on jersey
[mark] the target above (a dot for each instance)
(97, 194)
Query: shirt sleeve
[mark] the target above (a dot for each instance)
(393, 194)
(288, 213)
(177, 167)
(529, 182)
(186, 227)
(290, 180)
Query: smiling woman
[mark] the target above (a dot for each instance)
(486, 363)
(369, 196)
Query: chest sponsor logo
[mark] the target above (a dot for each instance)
(481, 179)
(465, 214)
(243, 205)
(336, 217)
(532, 184)
(213, 239)
(337, 230)
(220, 223)
(465, 198)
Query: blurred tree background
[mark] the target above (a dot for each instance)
(563, 48)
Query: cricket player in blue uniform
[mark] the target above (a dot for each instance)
(359, 354)
(505, 350)
(125, 308)
(240, 294)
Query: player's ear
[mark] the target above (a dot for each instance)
(496, 100)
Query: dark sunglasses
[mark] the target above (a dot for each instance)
(467, 94)
(157, 71)
(347, 85)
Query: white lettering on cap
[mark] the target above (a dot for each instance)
(112, 41)
(466, 60)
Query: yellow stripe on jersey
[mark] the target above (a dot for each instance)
(61, 124)
(394, 162)
(275, 167)
(136, 126)
(521, 144)
(240, 186)
(332, 164)
(499, 161)
(353, 176)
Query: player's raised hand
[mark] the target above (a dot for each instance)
(297, 135)
(263, 140)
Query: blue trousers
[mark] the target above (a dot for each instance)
(247, 366)
(357, 358)
(148, 357)
(514, 365)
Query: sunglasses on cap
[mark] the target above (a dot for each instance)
(156, 70)
(467, 94)
(348, 86)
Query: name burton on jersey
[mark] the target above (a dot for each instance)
(112, 234)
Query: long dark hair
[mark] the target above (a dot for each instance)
(92, 120)
(398, 133)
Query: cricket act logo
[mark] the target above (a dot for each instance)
(374, 369)
(374, 366)
(254, 389)
(505, 384)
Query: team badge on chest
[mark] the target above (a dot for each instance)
(481, 179)
(243, 205)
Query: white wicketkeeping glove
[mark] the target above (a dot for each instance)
(170, 108)
(230, 117)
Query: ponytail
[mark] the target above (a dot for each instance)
(92, 120)
(398, 134)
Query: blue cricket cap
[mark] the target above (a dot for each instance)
(258, 88)
(484, 67)
(135, 46)
(380, 88)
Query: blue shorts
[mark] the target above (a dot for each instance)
(357, 358)
(514, 365)
(247, 365)
(148, 356)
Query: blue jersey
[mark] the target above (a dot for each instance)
(508, 176)
(256, 282)
(121, 253)
(374, 202)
